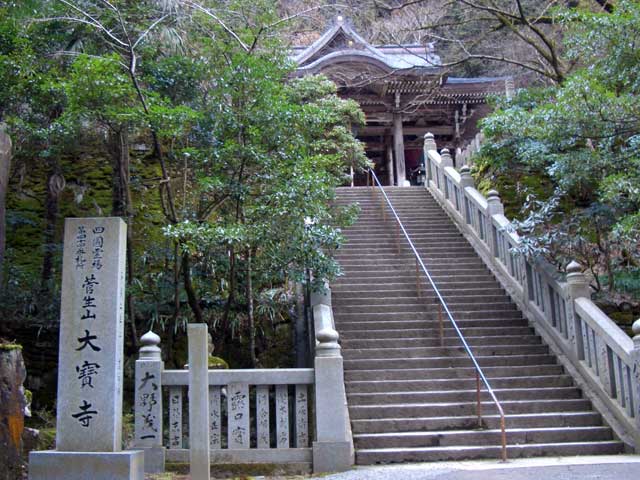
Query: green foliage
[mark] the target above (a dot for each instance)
(198, 135)
(582, 138)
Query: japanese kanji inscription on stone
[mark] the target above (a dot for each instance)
(91, 336)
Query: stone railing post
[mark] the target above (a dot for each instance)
(447, 161)
(466, 180)
(577, 287)
(636, 376)
(148, 403)
(199, 454)
(333, 448)
(494, 207)
(429, 144)
(320, 303)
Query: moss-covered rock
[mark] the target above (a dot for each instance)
(217, 363)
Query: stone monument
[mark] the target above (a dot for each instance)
(148, 404)
(89, 415)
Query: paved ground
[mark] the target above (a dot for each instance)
(614, 467)
(618, 467)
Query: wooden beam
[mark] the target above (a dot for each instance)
(381, 130)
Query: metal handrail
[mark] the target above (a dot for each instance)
(443, 304)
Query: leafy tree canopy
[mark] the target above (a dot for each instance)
(583, 138)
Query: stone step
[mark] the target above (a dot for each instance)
(417, 374)
(383, 238)
(412, 410)
(430, 328)
(411, 398)
(408, 261)
(389, 225)
(390, 251)
(413, 333)
(383, 298)
(470, 295)
(440, 277)
(411, 299)
(347, 283)
(375, 216)
(454, 396)
(463, 263)
(426, 314)
(406, 256)
(448, 362)
(422, 352)
(386, 386)
(433, 454)
(348, 344)
(379, 289)
(419, 306)
(427, 229)
(536, 420)
(515, 436)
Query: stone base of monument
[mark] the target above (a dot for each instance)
(54, 465)
(154, 459)
(332, 457)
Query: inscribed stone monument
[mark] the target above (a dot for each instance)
(91, 336)
(89, 416)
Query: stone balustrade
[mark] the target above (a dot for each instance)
(465, 156)
(604, 361)
(255, 415)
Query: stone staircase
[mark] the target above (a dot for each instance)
(411, 399)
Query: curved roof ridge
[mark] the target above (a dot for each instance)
(343, 25)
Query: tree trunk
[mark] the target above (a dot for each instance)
(5, 167)
(122, 206)
(232, 291)
(173, 326)
(188, 287)
(55, 185)
(250, 313)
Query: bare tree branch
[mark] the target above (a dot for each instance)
(219, 21)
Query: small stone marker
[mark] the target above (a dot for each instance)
(198, 402)
(215, 418)
(148, 394)
(238, 408)
(91, 336)
(282, 416)
(148, 403)
(175, 417)
(262, 416)
(89, 417)
(302, 417)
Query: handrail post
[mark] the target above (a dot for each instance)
(397, 238)
(478, 400)
(440, 324)
(418, 292)
(503, 437)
